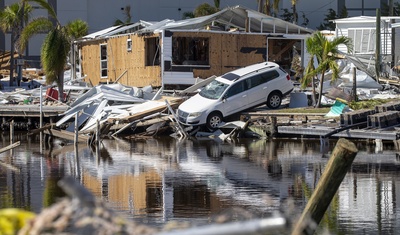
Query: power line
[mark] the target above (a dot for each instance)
(319, 8)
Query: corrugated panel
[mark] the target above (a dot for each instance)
(167, 48)
(184, 78)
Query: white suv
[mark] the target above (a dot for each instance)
(236, 91)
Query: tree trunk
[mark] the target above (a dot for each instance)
(313, 91)
(260, 5)
(61, 97)
(295, 16)
(321, 84)
(11, 82)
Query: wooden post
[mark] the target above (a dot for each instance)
(98, 133)
(76, 129)
(378, 45)
(12, 132)
(274, 126)
(355, 84)
(339, 163)
(41, 117)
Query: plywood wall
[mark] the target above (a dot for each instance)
(126, 66)
(229, 51)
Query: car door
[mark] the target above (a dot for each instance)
(256, 93)
(235, 98)
(271, 82)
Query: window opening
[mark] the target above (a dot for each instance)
(190, 51)
(103, 61)
(129, 45)
(152, 51)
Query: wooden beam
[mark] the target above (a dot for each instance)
(38, 130)
(283, 50)
(174, 104)
(11, 146)
(66, 135)
(339, 163)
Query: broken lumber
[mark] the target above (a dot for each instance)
(11, 146)
(339, 163)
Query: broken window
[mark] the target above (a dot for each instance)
(129, 45)
(363, 40)
(190, 51)
(103, 60)
(152, 51)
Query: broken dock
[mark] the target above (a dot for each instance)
(380, 123)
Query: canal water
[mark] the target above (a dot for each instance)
(161, 180)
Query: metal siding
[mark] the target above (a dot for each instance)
(179, 78)
(167, 48)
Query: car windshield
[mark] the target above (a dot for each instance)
(213, 90)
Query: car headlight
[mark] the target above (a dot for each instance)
(194, 115)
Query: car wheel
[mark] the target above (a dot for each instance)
(274, 100)
(213, 120)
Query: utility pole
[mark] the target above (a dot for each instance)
(378, 44)
(393, 34)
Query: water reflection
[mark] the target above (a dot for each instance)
(160, 180)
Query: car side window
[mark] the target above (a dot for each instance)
(261, 78)
(236, 89)
(270, 75)
(254, 81)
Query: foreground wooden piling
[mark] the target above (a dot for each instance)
(339, 163)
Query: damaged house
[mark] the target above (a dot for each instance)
(363, 32)
(177, 54)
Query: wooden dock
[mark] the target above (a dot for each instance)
(31, 110)
(27, 116)
(380, 123)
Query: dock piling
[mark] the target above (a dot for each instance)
(339, 163)
(12, 132)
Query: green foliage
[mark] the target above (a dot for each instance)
(187, 15)
(324, 51)
(128, 17)
(54, 54)
(77, 28)
(217, 4)
(288, 16)
(396, 9)
(327, 24)
(368, 104)
(56, 45)
(36, 26)
(204, 10)
(10, 17)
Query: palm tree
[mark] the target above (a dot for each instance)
(324, 51)
(204, 10)
(295, 15)
(268, 7)
(12, 19)
(128, 17)
(56, 45)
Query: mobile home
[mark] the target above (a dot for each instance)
(176, 54)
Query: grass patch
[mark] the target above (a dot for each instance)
(369, 104)
(304, 110)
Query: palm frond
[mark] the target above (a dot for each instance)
(38, 25)
(9, 17)
(77, 28)
(44, 4)
(309, 73)
(54, 53)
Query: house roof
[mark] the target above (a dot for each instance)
(230, 17)
(113, 30)
(236, 17)
(364, 19)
